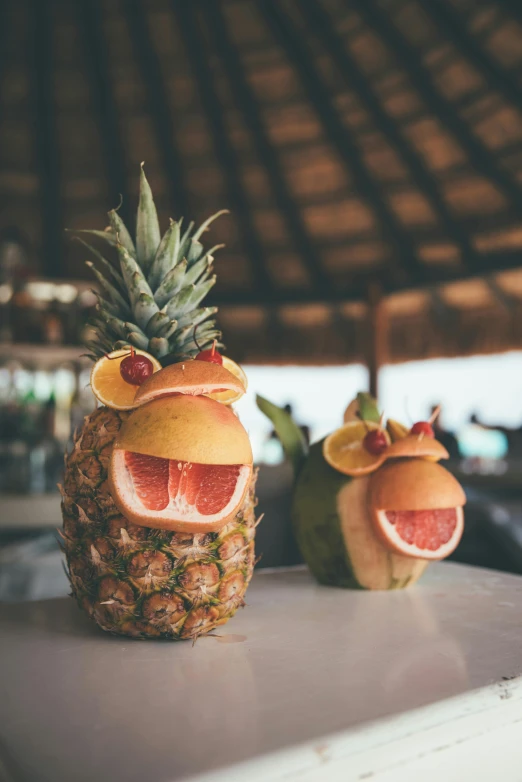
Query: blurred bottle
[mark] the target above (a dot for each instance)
(18, 321)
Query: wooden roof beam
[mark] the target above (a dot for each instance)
(268, 156)
(406, 55)
(355, 80)
(46, 139)
(340, 138)
(453, 27)
(357, 292)
(224, 149)
(505, 299)
(158, 105)
(91, 24)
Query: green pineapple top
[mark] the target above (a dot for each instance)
(152, 301)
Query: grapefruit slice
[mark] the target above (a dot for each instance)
(192, 378)
(428, 534)
(181, 496)
(107, 384)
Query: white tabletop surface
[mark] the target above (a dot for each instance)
(306, 683)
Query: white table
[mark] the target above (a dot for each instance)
(307, 684)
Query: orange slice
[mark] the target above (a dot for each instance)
(107, 384)
(229, 397)
(345, 452)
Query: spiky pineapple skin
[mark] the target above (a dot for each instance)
(141, 582)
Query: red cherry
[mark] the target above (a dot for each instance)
(423, 427)
(211, 355)
(375, 441)
(135, 369)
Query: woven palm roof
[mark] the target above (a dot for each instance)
(354, 141)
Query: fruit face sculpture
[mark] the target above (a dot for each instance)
(371, 517)
(158, 497)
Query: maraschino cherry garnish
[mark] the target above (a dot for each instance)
(210, 354)
(375, 441)
(135, 368)
(425, 428)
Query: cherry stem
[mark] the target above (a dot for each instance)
(195, 339)
(381, 421)
(434, 415)
(213, 347)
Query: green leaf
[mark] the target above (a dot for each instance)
(159, 346)
(107, 265)
(196, 270)
(157, 323)
(189, 297)
(112, 292)
(133, 275)
(166, 256)
(144, 309)
(185, 240)
(148, 235)
(291, 436)
(138, 340)
(368, 408)
(194, 317)
(107, 235)
(168, 330)
(203, 227)
(120, 231)
(171, 284)
(195, 250)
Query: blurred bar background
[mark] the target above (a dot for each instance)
(370, 153)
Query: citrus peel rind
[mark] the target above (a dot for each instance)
(412, 446)
(107, 384)
(193, 378)
(415, 484)
(345, 452)
(228, 397)
(187, 428)
(173, 495)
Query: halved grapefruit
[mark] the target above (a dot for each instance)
(181, 463)
(193, 378)
(417, 508)
(429, 534)
(175, 495)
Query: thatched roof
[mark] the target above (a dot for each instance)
(353, 141)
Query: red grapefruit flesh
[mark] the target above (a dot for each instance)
(175, 495)
(428, 534)
(150, 475)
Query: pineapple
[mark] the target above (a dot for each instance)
(132, 580)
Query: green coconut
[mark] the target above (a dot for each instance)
(331, 517)
(335, 534)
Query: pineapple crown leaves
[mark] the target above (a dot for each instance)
(152, 301)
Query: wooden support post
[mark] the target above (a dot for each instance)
(377, 336)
